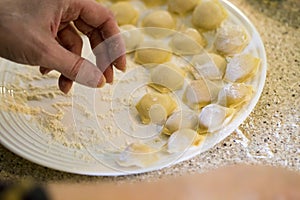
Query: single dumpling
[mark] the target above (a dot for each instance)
(181, 140)
(210, 66)
(132, 37)
(151, 3)
(235, 95)
(182, 7)
(231, 39)
(200, 93)
(209, 15)
(151, 53)
(125, 13)
(155, 108)
(213, 117)
(241, 67)
(167, 77)
(135, 156)
(181, 120)
(187, 43)
(159, 23)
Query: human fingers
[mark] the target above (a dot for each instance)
(70, 39)
(114, 44)
(97, 19)
(64, 84)
(109, 74)
(103, 60)
(72, 66)
(47, 69)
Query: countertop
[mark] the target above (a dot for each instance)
(271, 134)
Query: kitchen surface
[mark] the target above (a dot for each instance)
(269, 136)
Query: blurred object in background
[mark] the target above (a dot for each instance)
(229, 183)
(23, 190)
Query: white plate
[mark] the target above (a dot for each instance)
(94, 148)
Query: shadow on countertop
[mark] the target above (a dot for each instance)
(284, 11)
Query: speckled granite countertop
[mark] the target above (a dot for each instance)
(271, 135)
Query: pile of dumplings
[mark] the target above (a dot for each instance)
(215, 82)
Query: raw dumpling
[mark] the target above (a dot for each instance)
(132, 37)
(167, 77)
(235, 95)
(152, 52)
(181, 140)
(242, 67)
(137, 155)
(159, 23)
(210, 66)
(181, 7)
(155, 108)
(188, 42)
(125, 13)
(212, 117)
(181, 120)
(209, 15)
(199, 93)
(231, 39)
(154, 2)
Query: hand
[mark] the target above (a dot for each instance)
(41, 32)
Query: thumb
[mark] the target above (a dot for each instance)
(73, 66)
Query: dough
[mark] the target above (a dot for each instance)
(159, 24)
(132, 37)
(231, 39)
(235, 95)
(151, 53)
(197, 94)
(200, 93)
(209, 15)
(181, 120)
(125, 13)
(183, 139)
(167, 77)
(181, 7)
(212, 117)
(210, 66)
(134, 156)
(187, 43)
(155, 107)
(242, 67)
